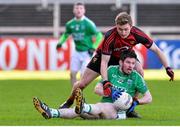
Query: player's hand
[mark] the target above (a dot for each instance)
(170, 73)
(58, 46)
(134, 104)
(116, 93)
(107, 87)
(91, 51)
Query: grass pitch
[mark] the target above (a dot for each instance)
(16, 107)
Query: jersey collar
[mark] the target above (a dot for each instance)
(120, 70)
(82, 18)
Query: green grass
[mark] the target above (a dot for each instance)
(16, 106)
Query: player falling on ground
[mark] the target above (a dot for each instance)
(123, 78)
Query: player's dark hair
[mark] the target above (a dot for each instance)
(127, 53)
(79, 3)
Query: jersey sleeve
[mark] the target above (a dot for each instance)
(108, 42)
(68, 30)
(92, 27)
(99, 38)
(141, 37)
(94, 33)
(141, 86)
(65, 35)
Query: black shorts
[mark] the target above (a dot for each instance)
(95, 62)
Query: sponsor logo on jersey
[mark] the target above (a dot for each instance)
(122, 48)
(129, 81)
(120, 81)
(132, 42)
(77, 27)
(94, 59)
(114, 76)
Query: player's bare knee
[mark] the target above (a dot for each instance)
(79, 84)
(76, 85)
(149, 99)
(109, 111)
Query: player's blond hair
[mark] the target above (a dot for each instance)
(123, 18)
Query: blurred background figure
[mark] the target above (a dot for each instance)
(86, 38)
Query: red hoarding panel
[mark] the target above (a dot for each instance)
(41, 54)
(33, 54)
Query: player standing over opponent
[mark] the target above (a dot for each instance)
(86, 38)
(123, 78)
(123, 36)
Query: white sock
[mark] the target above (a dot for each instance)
(87, 108)
(55, 113)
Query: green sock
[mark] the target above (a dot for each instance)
(55, 113)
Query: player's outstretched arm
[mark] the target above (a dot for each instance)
(163, 59)
(61, 40)
(103, 88)
(104, 65)
(147, 98)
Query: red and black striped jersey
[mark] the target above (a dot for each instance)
(113, 43)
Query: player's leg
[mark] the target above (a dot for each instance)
(42, 108)
(98, 110)
(91, 72)
(68, 113)
(48, 112)
(81, 107)
(85, 59)
(89, 116)
(102, 110)
(75, 66)
(73, 77)
(108, 111)
(87, 77)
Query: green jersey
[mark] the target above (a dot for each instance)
(82, 32)
(130, 83)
